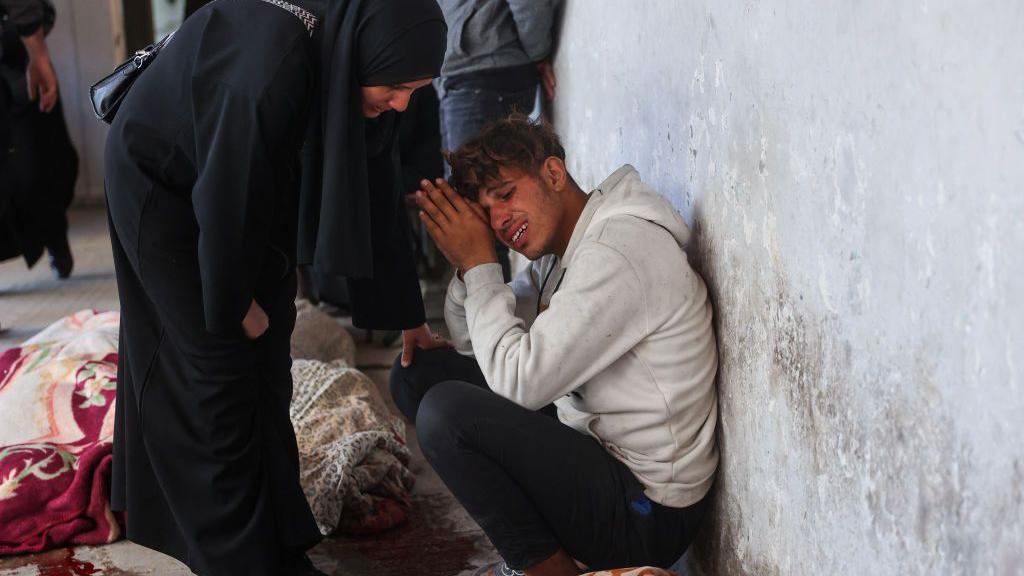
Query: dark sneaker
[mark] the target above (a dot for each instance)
(61, 261)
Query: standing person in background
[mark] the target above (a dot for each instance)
(499, 51)
(38, 177)
(27, 18)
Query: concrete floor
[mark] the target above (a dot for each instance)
(439, 540)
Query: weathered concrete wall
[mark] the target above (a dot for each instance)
(854, 172)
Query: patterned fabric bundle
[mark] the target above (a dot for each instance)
(352, 450)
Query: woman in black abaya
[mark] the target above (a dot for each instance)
(261, 137)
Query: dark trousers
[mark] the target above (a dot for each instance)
(532, 483)
(465, 112)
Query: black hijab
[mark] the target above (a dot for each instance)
(362, 43)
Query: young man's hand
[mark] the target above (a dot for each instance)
(458, 226)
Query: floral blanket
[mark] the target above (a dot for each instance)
(56, 427)
(57, 394)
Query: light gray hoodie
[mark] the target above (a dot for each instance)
(623, 345)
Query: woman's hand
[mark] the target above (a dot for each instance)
(255, 322)
(420, 337)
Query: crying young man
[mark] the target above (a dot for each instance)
(575, 417)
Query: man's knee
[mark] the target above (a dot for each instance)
(444, 414)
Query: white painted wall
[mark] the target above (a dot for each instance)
(854, 173)
(85, 44)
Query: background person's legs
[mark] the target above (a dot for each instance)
(535, 485)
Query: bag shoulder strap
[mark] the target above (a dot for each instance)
(307, 17)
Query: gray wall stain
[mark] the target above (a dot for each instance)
(854, 177)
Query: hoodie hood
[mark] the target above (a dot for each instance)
(624, 194)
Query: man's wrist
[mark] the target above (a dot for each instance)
(486, 274)
(469, 265)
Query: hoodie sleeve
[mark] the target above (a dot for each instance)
(596, 316)
(524, 289)
(455, 317)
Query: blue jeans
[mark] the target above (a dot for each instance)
(465, 112)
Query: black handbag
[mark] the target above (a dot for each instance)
(109, 92)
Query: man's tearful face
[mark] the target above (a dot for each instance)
(524, 212)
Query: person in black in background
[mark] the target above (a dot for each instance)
(419, 150)
(243, 150)
(38, 178)
(28, 18)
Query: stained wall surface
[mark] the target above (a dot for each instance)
(854, 174)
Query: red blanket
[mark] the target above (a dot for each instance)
(56, 425)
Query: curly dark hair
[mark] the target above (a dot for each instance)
(513, 142)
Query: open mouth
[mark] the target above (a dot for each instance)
(519, 235)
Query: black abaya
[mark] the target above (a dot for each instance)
(202, 178)
(202, 168)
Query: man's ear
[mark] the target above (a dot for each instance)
(555, 173)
